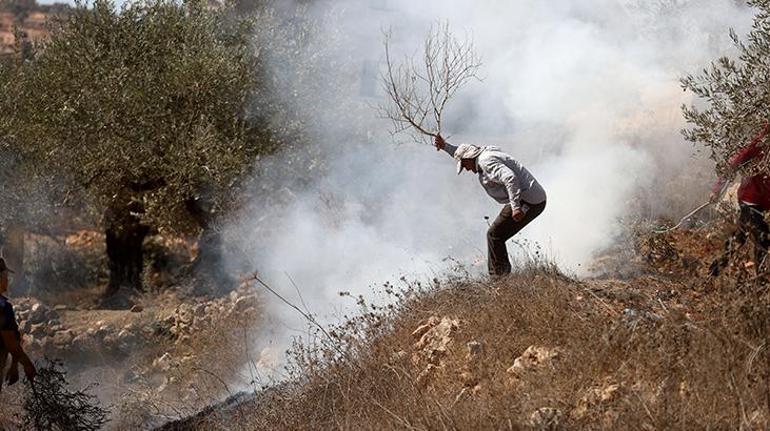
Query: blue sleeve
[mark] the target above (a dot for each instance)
(450, 149)
(8, 319)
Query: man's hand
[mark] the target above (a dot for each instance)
(439, 143)
(518, 214)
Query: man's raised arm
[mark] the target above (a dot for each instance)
(441, 144)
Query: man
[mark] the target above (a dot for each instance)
(509, 183)
(10, 338)
(753, 201)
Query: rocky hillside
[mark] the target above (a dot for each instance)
(659, 347)
(170, 355)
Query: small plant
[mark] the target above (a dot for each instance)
(51, 405)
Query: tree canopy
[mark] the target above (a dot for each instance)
(143, 114)
(149, 101)
(734, 94)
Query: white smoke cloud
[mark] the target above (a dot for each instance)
(584, 93)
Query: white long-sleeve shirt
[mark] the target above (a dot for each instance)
(504, 178)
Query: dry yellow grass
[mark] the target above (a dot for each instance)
(647, 353)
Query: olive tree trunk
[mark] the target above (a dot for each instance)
(125, 236)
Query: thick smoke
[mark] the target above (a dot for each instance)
(584, 93)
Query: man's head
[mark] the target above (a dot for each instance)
(466, 155)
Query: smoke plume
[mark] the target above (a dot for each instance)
(584, 93)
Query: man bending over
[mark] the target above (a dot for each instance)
(509, 183)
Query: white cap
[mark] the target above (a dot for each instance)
(466, 151)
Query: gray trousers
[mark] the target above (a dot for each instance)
(502, 229)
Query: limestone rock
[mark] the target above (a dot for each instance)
(534, 358)
(102, 331)
(125, 340)
(245, 303)
(546, 418)
(164, 362)
(270, 358)
(426, 376)
(425, 327)
(435, 341)
(82, 342)
(475, 350)
(38, 313)
(63, 339)
(38, 329)
(599, 399)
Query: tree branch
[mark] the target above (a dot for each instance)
(418, 96)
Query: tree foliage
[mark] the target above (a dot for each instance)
(146, 104)
(734, 94)
(27, 192)
(155, 117)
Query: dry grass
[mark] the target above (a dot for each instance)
(648, 353)
(662, 348)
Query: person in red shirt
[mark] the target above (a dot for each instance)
(753, 201)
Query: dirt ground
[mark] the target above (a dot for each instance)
(170, 355)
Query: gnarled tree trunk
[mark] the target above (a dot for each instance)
(125, 236)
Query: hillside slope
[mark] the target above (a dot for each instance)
(664, 349)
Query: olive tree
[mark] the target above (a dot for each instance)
(145, 110)
(733, 94)
(30, 199)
